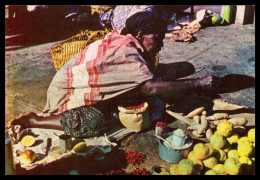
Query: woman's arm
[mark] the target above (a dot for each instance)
(170, 89)
(172, 71)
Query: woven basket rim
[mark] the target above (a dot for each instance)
(78, 37)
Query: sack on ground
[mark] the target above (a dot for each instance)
(135, 119)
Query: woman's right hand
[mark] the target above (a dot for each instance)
(209, 83)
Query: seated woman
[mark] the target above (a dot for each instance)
(83, 96)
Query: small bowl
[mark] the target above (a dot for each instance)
(157, 169)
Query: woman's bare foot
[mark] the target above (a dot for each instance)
(25, 121)
(17, 125)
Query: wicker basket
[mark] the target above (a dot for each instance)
(100, 8)
(62, 51)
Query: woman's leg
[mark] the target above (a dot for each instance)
(32, 120)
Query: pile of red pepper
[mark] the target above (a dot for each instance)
(135, 107)
(161, 124)
(138, 171)
(113, 172)
(134, 157)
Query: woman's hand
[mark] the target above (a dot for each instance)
(209, 83)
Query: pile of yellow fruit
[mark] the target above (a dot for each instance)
(226, 154)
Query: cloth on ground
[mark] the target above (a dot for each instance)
(88, 121)
(101, 144)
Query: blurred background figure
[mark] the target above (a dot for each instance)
(116, 18)
(43, 23)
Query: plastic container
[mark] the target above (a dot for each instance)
(227, 14)
(178, 140)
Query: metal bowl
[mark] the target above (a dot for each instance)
(157, 169)
(174, 155)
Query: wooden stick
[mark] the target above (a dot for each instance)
(181, 117)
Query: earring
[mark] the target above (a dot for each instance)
(140, 36)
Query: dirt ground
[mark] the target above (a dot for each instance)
(222, 50)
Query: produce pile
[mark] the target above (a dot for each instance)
(202, 125)
(227, 153)
(132, 158)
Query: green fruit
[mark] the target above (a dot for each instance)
(232, 166)
(185, 167)
(233, 153)
(217, 141)
(216, 19)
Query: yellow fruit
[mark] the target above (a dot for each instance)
(217, 141)
(245, 160)
(79, 147)
(232, 166)
(220, 169)
(251, 135)
(196, 172)
(164, 173)
(233, 153)
(246, 163)
(225, 128)
(198, 165)
(220, 155)
(210, 162)
(185, 167)
(211, 149)
(233, 138)
(191, 156)
(245, 138)
(173, 169)
(211, 172)
(245, 148)
(28, 140)
(253, 153)
(227, 147)
(201, 151)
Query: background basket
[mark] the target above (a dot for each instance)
(62, 51)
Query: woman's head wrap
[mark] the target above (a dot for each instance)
(147, 22)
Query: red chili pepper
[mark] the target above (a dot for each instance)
(138, 171)
(135, 158)
(113, 172)
(135, 107)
